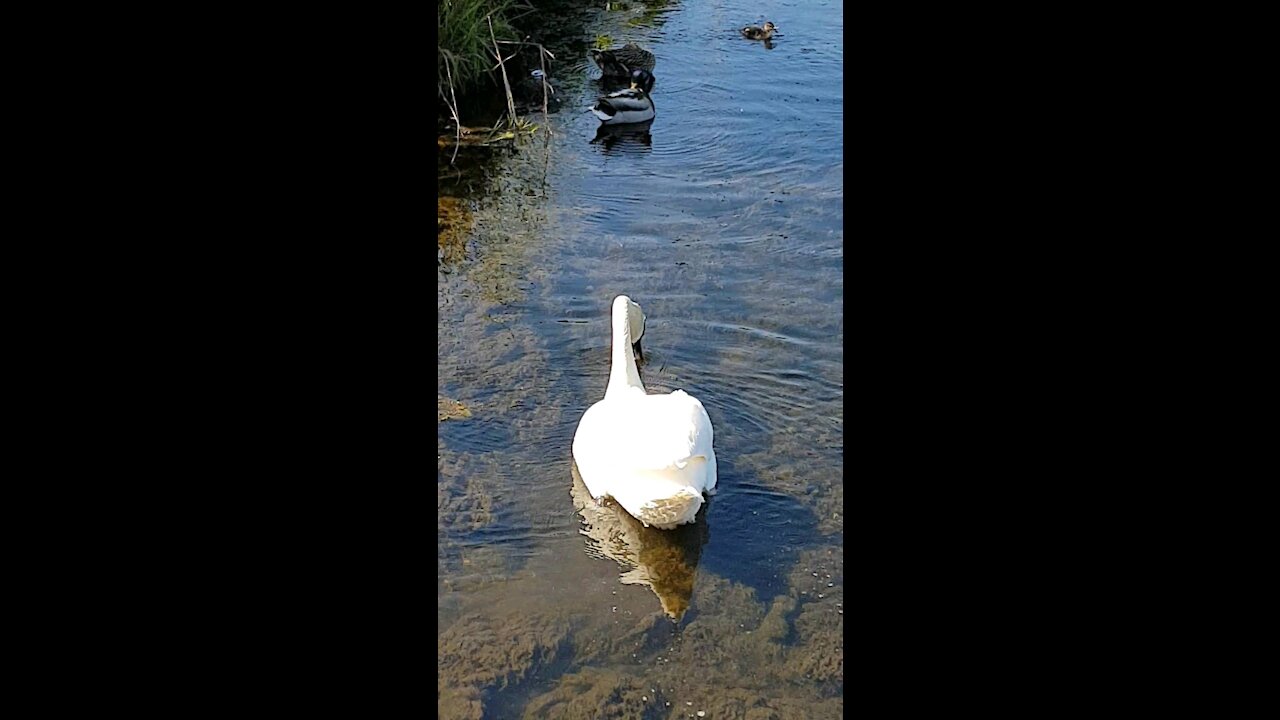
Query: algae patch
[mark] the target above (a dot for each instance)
(596, 693)
(449, 409)
(479, 655)
(453, 226)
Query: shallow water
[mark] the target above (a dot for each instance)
(724, 221)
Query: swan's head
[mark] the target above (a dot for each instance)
(625, 310)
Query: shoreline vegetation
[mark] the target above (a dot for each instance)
(477, 46)
(487, 51)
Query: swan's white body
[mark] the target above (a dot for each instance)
(651, 453)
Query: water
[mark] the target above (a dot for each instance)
(724, 221)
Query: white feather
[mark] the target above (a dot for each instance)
(653, 454)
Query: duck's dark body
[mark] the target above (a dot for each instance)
(752, 32)
(619, 62)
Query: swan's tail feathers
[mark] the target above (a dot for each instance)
(678, 509)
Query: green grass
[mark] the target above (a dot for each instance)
(466, 48)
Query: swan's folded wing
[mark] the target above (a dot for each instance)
(670, 430)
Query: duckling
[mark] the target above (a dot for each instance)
(619, 62)
(752, 32)
(630, 105)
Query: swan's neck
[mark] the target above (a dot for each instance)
(623, 373)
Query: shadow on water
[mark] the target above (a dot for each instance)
(759, 532)
(666, 561)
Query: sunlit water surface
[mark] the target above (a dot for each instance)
(724, 220)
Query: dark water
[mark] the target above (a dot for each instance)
(724, 221)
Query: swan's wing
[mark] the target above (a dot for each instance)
(641, 432)
(668, 430)
(594, 440)
(602, 441)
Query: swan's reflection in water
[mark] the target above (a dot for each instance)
(665, 560)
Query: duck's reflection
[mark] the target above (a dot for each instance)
(665, 560)
(631, 136)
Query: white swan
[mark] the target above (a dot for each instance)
(650, 453)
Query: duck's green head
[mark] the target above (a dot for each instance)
(642, 80)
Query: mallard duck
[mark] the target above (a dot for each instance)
(619, 62)
(651, 453)
(528, 93)
(752, 32)
(629, 105)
